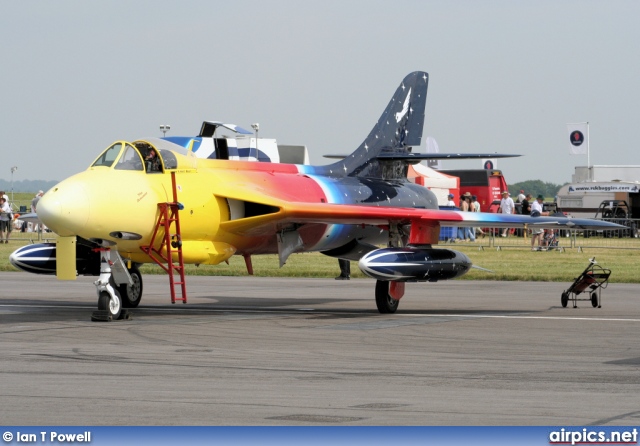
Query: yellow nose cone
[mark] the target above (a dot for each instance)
(65, 209)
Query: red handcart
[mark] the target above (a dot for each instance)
(592, 281)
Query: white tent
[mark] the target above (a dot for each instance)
(439, 183)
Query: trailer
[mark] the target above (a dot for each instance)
(583, 199)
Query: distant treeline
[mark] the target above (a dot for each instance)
(27, 185)
(535, 188)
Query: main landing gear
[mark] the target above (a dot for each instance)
(389, 293)
(385, 303)
(131, 293)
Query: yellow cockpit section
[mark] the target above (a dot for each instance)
(157, 156)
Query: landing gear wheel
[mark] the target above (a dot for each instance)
(594, 300)
(564, 299)
(385, 303)
(131, 294)
(113, 306)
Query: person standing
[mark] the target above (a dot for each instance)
(464, 207)
(468, 207)
(34, 202)
(34, 205)
(526, 205)
(507, 206)
(5, 220)
(345, 270)
(536, 211)
(521, 196)
(450, 202)
(476, 208)
(525, 209)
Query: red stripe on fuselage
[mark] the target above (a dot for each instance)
(282, 181)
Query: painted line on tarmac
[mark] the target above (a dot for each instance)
(497, 316)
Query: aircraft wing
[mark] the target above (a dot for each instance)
(285, 213)
(417, 157)
(31, 217)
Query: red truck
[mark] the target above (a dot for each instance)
(486, 184)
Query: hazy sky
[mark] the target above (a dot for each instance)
(505, 76)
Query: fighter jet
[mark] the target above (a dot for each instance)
(196, 200)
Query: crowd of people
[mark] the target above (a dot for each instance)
(540, 238)
(524, 204)
(467, 203)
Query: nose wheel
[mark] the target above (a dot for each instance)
(111, 304)
(109, 299)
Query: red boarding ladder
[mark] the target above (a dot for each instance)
(169, 214)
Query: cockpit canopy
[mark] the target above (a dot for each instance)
(154, 157)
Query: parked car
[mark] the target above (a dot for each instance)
(617, 211)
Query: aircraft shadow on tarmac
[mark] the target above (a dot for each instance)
(249, 303)
(39, 310)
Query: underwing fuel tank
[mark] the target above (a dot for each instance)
(40, 258)
(414, 264)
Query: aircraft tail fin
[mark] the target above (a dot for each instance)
(396, 132)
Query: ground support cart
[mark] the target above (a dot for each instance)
(592, 281)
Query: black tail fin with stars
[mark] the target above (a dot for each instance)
(396, 132)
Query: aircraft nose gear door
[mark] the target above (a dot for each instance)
(109, 299)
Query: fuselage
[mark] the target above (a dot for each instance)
(117, 201)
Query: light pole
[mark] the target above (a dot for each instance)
(255, 126)
(13, 169)
(164, 128)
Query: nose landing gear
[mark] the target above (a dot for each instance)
(109, 299)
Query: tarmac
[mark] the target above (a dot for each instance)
(272, 351)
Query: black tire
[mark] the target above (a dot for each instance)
(106, 304)
(564, 299)
(594, 300)
(385, 303)
(131, 294)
